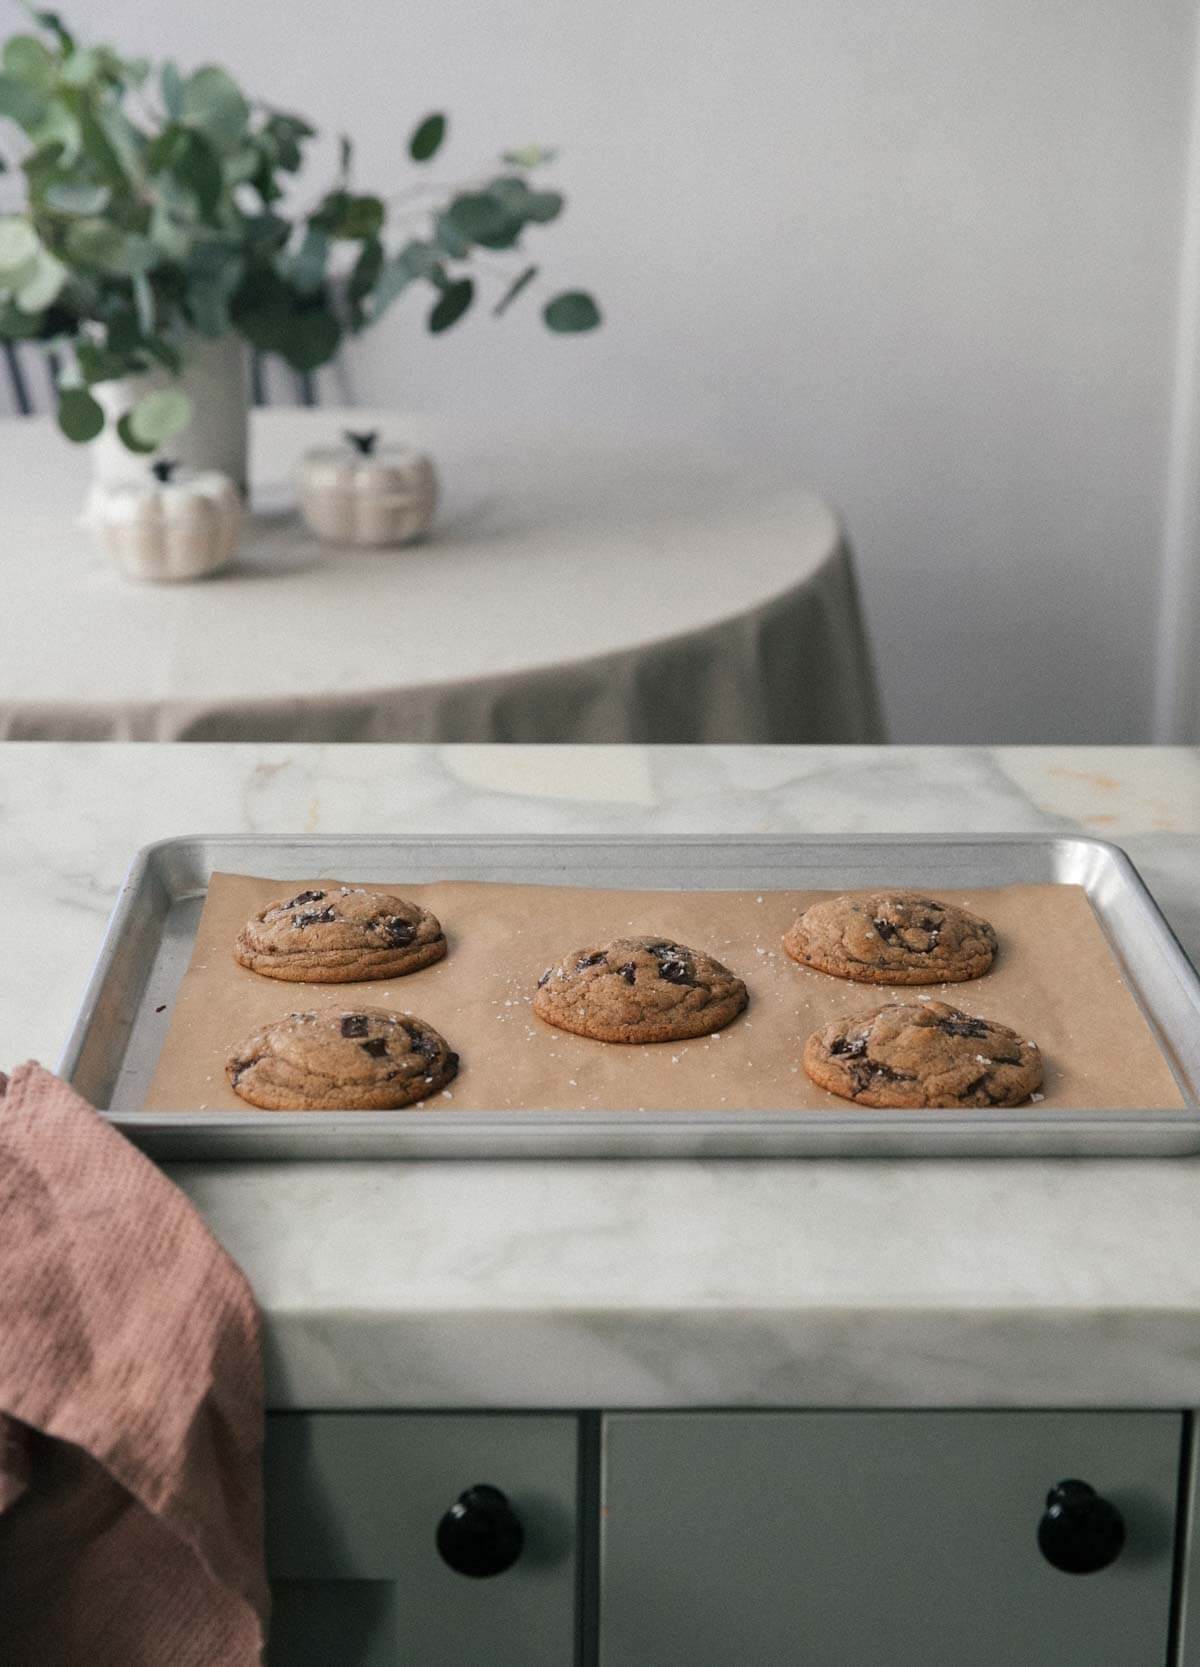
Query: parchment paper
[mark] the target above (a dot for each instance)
(1055, 981)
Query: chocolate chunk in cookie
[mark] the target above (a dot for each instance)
(920, 1054)
(337, 1060)
(639, 990)
(338, 936)
(892, 937)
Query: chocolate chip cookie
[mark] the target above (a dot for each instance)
(923, 1053)
(341, 1059)
(639, 990)
(892, 937)
(338, 935)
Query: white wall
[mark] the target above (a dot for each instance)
(926, 254)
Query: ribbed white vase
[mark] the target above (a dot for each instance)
(215, 379)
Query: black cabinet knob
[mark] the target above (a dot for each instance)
(481, 1534)
(1080, 1532)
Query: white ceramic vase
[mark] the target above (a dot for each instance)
(216, 380)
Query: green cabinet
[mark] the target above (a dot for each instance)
(842, 1539)
(353, 1505)
(722, 1539)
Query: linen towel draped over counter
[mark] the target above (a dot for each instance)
(131, 1409)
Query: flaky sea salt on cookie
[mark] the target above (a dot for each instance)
(892, 937)
(341, 1059)
(339, 935)
(919, 1054)
(639, 990)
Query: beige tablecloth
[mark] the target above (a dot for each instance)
(565, 596)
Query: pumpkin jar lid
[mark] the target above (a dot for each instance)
(363, 452)
(165, 483)
(365, 468)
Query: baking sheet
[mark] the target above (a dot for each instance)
(1056, 981)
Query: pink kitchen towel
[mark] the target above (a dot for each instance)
(131, 1406)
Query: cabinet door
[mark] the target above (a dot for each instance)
(878, 1539)
(353, 1506)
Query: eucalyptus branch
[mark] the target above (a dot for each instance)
(166, 214)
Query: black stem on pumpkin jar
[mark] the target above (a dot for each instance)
(363, 443)
(164, 469)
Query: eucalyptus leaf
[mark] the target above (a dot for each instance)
(352, 218)
(80, 416)
(41, 166)
(54, 23)
(450, 240)
(427, 138)
(365, 272)
(223, 258)
(543, 206)
(125, 140)
(171, 85)
(81, 66)
(43, 285)
(287, 134)
(307, 267)
(76, 197)
(129, 437)
(59, 131)
(482, 218)
(198, 167)
(393, 281)
(571, 312)
(539, 206)
(22, 103)
(512, 191)
(166, 147)
(261, 307)
(296, 125)
(242, 165)
(159, 415)
(106, 158)
(213, 101)
(420, 259)
(276, 318)
(16, 325)
(208, 306)
(168, 237)
(123, 335)
(28, 59)
(18, 244)
(529, 156)
(17, 276)
(99, 364)
(264, 181)
(310, 339)
(265, 234)
(100, 245)
(415, 260)
(192, 161)
(452, 304)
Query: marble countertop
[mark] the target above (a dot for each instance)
(852, 1283)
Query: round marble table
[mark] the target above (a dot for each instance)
(581, 595)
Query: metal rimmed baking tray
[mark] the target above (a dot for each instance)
(114, 1046)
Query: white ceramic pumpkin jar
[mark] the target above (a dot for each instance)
(171, 525)
(367, 494)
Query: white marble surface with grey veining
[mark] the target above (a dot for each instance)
(899, 1283)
